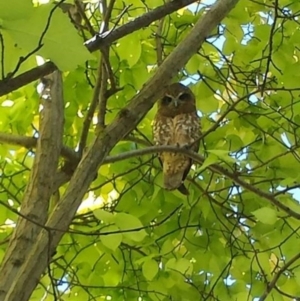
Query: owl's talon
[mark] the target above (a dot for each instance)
(185, 146)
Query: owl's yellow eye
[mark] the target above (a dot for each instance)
(184, 96)
(166, 100)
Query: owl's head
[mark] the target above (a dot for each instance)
(177, 99)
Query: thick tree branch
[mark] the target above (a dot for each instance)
(125, 122)
(7, 86)
(98, 42)
(39, 188)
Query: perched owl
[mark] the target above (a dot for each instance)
(176, 123)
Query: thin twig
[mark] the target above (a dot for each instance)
(91, 111)
(102, 97)
(2, 57)
(270, 45)
(272, 284)
(105, 51)
(40, 44)
(106, 69)
(107, 14)
(123, 12)
(82, 13)
(158, 40)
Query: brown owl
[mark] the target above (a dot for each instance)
(176, 123)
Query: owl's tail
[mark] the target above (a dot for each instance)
(174, 181)
(183, 189)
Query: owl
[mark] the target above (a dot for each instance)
(176, 123)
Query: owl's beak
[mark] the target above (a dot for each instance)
(176, 102)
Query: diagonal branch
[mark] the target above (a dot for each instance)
(145, 20)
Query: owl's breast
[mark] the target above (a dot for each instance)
(163, 131)
(177, 130)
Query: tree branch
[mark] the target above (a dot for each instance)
(39, 188)
(145, 20)
(98, 42)
(7, 86)
(31, 142)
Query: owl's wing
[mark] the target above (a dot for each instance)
(194, 133)
(162, 132)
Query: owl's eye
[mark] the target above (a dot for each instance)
(166, 100)
(184, 96)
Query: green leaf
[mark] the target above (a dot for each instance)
(112, 277)
(266, 215)
(297, 276)
(131, 226)
(222, 154)
(167, 247)
(156, 289)
(105, 216)
(150, 269)
(16, 9)
(194, 63)
(63, 47)
(183, 265)
(211, 159)
(209, 103)
(229, 45)
(129, 48)
(113, 240)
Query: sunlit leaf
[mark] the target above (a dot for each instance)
(150, 269)
(266, 215)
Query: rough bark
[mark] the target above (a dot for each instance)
(39, 189)
(7, 86)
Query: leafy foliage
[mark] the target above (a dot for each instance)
(235, 237)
